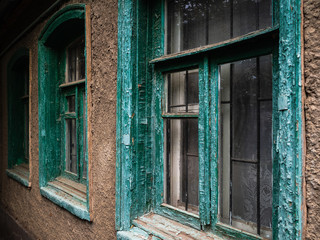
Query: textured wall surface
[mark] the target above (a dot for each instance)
(36, 214)
(312, 111)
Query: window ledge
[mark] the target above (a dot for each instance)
(68, 195)
(159, 227)
(20, 173)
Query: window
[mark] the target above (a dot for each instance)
(62, 110)
(18, 117)
(208, 121)
(73, 98)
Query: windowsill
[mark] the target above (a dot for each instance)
(20, 173)
(69, 195)
(163, 228)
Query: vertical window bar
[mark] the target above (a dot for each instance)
(231, 20)
(185, 144)
(78, 150)
(258, 146)
(258, 128)
(231, 137)
(168, 174)
(207, 23)
(185, 148)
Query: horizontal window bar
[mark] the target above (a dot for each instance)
(244, 160)
(182, 115)
(70, 115)
(68, 84)
(207, 48)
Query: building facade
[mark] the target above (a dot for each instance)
(159, 119)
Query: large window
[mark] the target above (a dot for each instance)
(209, 125)
(62, 111)
(18, 117)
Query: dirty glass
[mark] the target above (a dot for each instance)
(245, 169)
(71, 146)
(183, 91)
(181, 166)
(195, 23)
(76, 61)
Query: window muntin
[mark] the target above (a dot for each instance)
(245, 169)
(194, 23)
(181, 171)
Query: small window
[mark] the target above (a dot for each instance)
(18, 117)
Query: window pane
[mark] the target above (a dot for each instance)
(182, 164)
(245, 171)
(71, 146)
(84, 164)
(71, 103)
(183, 91)
(76, 61)
(194, 23)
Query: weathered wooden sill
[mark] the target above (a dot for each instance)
(20, 173)
(69, 195)
(158, 227)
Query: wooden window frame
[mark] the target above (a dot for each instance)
(64, 189)
(139, 104)
(20, 171)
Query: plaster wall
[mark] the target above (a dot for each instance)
(312, 112)
(36, 214)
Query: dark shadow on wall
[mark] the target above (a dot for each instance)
(10, 229)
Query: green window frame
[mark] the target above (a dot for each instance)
(141, 62)
(18, 117)
(63, 151)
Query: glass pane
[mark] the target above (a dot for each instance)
(183, 91)
(26, 131)
(84, 164)
(71, 103)
(181, 169)
(244, 196)
(244, 109)
(195, 23)
(246, 145)
(72, 64)
(76, 61)
(266, 163)
(81, 60)
(71, 146)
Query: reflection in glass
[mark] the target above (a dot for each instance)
(245, 169)
(183, 91)
(71, 103)
(194, 23)
(71, 147)
(182, 164)
(76, 61)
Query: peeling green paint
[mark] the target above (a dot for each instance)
(18, 178)
(139, 183)
(289, 132)
(64, 27)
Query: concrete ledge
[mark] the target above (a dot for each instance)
(10, 229)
